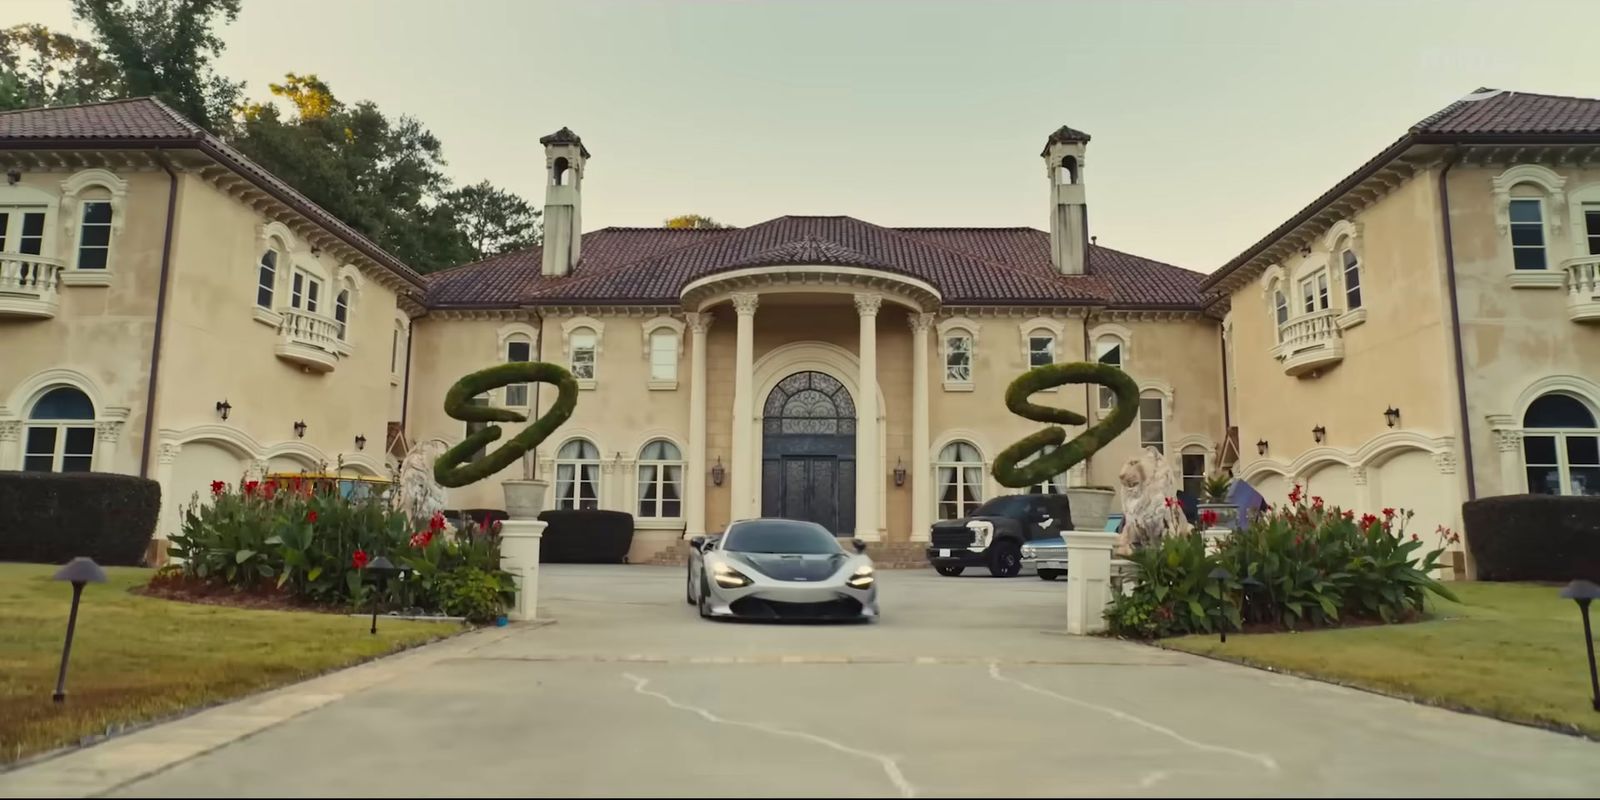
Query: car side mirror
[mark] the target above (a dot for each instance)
(861, 547)
(698, 542)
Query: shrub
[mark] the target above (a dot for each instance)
(476, 594)
(1294, 566)
(53, 517)
(1534, 537)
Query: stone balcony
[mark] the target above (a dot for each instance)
(1582, 284)
(1310, 343)
(309, 340)
(30, 286)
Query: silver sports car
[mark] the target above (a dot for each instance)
(780, 569)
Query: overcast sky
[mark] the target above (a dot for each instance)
(1212, 121)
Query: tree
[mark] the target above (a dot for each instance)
(165, 48)
(693, 221)
(39, 67)
(494, 221)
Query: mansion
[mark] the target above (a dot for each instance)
(1425, 332)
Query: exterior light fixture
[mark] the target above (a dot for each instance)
(1392, 414)
(82, 570)
(383, 568)
(717, 472)
(300, 429)
(1221, 575)
(361, 442)
(1319, 433)
(1580, 591)
(1261, 447)
(13, 176)
(224, 408)
(899, 472)
(1305, 250)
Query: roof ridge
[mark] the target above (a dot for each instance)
(963, 228)
(190, 124)
(114, 101)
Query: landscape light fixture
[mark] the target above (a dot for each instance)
(1261, 447)
(383, 568)
(224, 408)
(1319, 433)
(1582, 592)
(1392, 414)
(717, 472)
(300, 429)
(80, 571)
(899, 472)
(1221, 575)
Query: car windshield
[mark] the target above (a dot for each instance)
(779, 536)
(1009, 506)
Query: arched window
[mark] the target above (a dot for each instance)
(1055, 485)
(960, 474)
(1527, 232)
(519, 350)
(1152, 421)
(1192, 461)
(578, 475)
(267, 279)
(1352, 279)
(1280, 307)
(1068, 171)
(341, 313)
(558, 172)
(958, 357)
(94, 231)
(1110, 350)
(60, 434)
(661, 480)
(1561, 446)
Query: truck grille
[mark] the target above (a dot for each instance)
(952, 537)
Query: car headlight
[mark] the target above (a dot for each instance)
(729, 578)
(861, 578)
(1028, 551)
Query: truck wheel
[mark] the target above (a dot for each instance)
(950, 572)
(1005, 560)
(1049, 574)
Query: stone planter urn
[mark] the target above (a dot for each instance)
(1090, 507)
(525, 498)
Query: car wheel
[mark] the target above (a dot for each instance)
(950, 572)
(1005, 560)
(705, 599)
(1049, 574)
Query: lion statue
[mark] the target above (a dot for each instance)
(1148, 487)
(420, 494)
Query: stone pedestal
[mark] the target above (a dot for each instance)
(1214, 537)
(519, 555)
(1088, 579)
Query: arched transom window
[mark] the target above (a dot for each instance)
(1561, 446)
(660, 480)
(60, 432)
(960, 479)
(578, 475)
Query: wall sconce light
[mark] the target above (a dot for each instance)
(1319, 433)
(13, 176)
(315, 250)
(300, 429)
(224, 408)
(899, 472)
(1393, 415)
(717, 472)
(1261, 447)
(1305, 249)
(361, 442)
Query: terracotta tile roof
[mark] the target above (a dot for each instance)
(977, 266)
(145, 121)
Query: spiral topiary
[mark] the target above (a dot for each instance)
(454, 467)
(1006, 465)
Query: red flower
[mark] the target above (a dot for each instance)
(1367, 519)
(218, 487)
(1295, 495)
(311, 516)
(1316, 502)
(269, 490)
(1208, 518)
(250, 488)
(421, 539)
(1170, 503)
(1348, 514)
(359, 560)
(1388, 513)
(436, 523)
(1413, 537)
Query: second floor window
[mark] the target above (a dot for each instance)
(1527, 233)
(341, 313)
(1280, 307)
(305, 292)
(1314, 292)
(1591, 222)
(22, 230)
(1041, 350)
(266, 278)
(583, 345)
(1108, 350)
(1352, 280)
(518, 350)
(1152, 423)
(663, 356)
(94, 237)
(958, 358)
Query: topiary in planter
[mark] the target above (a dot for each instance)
(1534, 537)
(1065, 456)
(453, 468)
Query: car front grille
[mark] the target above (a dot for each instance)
(952, 537)
(762, 608)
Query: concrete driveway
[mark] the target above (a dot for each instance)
(965, 687)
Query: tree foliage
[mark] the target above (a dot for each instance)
(493, 220)
(693, 221)
(164, 48)
(40, 67)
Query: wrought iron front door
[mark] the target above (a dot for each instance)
(808, 448)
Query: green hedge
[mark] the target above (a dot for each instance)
(53, 517)
(1534, 537)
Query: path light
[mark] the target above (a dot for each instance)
(1581, 591)
(1221, 574)
(717, 472)
(383, 568)
(1392, 414)
(1261, 447)
(82, 570)
(1319, 433)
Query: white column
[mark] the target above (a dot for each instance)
(694, 481)
(744, 356)
(1088, 579)
(869, 473)
(519, 555)
(921, 466)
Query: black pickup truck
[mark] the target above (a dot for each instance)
(993, 535)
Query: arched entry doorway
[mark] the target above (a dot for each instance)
(808, 452)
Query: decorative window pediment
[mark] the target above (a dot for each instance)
(1546, 179)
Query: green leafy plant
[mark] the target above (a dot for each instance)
(1216, 487)
(456, 467)
(476, 594)
(1008, 467)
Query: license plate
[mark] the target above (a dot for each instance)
(944, 553)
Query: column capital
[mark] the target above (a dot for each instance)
(699, 322)
(744, 303)
(10, 430)
(169, 452)
(108, 430)
(1510, 441)
(867, 304)
(920, 323)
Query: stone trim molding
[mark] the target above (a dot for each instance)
(1538, 175)
(657, 323)
(1375, 451)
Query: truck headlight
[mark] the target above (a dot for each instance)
(1028, 551)
(729, 578)
(862, 578)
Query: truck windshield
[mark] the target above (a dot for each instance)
(1014, 506)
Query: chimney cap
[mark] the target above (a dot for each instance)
(565, 136)
(1065, 135)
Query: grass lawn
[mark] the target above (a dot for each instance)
(1509, 650)
(137, 658)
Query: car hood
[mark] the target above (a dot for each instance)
(997, 522)
(791, 566)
